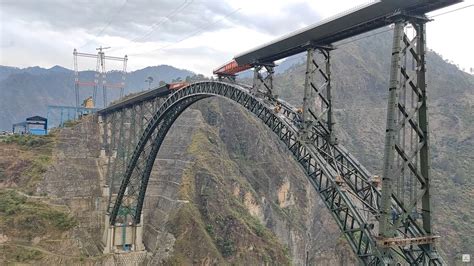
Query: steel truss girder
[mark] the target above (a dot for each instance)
(125, 127)
(406, 170)
(322, 169)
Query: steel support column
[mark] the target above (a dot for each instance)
(390, 132)
(96, 82)
(406, 169)
(425, 161)
(119, 160)
(263, 80)
(76, 78)
(105, 136)
(317, 99)
(101, 59)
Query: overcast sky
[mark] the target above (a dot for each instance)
(198, 35)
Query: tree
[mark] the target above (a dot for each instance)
(149, 79)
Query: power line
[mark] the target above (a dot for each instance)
(155, 26)
(163, 20)
(386, 30)
(112, 17)
(192, 34)
(339, 45)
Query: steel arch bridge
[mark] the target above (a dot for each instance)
(346, 187)
(385, 220)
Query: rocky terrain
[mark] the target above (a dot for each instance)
(237, 190)
(238, 202)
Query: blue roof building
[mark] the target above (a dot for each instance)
(35, 125)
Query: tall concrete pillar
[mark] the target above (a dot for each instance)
(139, 246)
(107, 237)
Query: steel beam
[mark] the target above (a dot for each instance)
(361, 19)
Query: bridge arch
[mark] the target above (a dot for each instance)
(344, 185)
(285, 122)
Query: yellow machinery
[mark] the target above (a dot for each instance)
(88, 103)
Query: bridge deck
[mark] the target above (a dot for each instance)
(141, 97)
(351, 23)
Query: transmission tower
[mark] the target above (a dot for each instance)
(100, 74)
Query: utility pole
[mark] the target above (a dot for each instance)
(103, 73)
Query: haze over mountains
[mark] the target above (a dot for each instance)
(28, 91)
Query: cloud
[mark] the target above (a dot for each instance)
(290, 17)
(194, 34)
(164, 20)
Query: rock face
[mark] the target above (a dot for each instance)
(219, 162)
(223, 190)
(74, 180)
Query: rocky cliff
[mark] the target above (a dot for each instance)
(223, 179)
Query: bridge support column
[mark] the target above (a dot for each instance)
(263, 80)
(122, 238)
(107, 237)
(120, 160)
(104, 132)
(317, 99)
(406, 169)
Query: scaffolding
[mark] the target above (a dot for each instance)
(59, 114)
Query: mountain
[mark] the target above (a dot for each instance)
(6, 71)
(26, 92)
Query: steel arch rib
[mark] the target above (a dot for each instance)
(320, 167)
